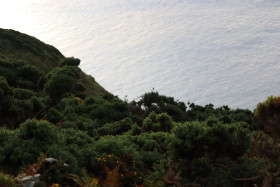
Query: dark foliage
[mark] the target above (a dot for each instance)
(98, 138)
(70, 61)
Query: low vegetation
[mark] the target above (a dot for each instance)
(58, 127)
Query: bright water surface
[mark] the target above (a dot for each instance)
(226, 52)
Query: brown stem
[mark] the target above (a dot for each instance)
(246, 179)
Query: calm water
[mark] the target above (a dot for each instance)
(226, 52)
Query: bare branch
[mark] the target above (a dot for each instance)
(247, 179)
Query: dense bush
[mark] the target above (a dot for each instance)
(194, 139)
(41, 132)
(267, 113)
(107, 111)
(199, 145)
(7, 180)
(59, 85)
(23, 146)
(116, 128)
(19, 74)
(158, 122)
(100, 139)
(70, 61)
(5, 89)
(20, 93)
(153, 102)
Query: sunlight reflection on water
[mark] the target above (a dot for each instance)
(223, 52)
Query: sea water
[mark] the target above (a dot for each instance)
(224, 52)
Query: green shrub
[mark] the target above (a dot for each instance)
(160, 137)
(22, 83)
(19, 111)
(53, 115)
(116, 128)
(158, 122)
(194, 139)
(89, 101)
(6, 180)
(61, 81)
(77, 137)
(149, 158)
(106, 111)
(116, 145)
(70, 61)
(7, 70)
(68, 124)
(154, 102)
(29, 72)
(37, 104)
(145, 143)
(68, 163)
(200, 167)
(5, 88)
(266, 110)
(59, 85)
(20, 93)
(43, 133)
(251, 167)
(71, 71)
(135, 130)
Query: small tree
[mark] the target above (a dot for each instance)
(61, 81)
(58, 86)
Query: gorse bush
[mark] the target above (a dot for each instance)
(7, 180)
(70, 61)
(5, 88)
(20, 93)
(250, 167)
(198, 146)
(42, 132)
(19, 74)
(158, 122)
(116, 128)
(97, 139)
(267, 113)
(107, 111)
(266, 110)
(194, 139)
(59, 85)
(153, 102)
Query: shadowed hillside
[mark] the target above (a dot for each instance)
(58, 127)
(22, 47)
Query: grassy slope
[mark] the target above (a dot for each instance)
(18, 46)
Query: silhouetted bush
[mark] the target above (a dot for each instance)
(70, 61)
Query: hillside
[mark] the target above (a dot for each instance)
(58, 127)
(21, 47)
